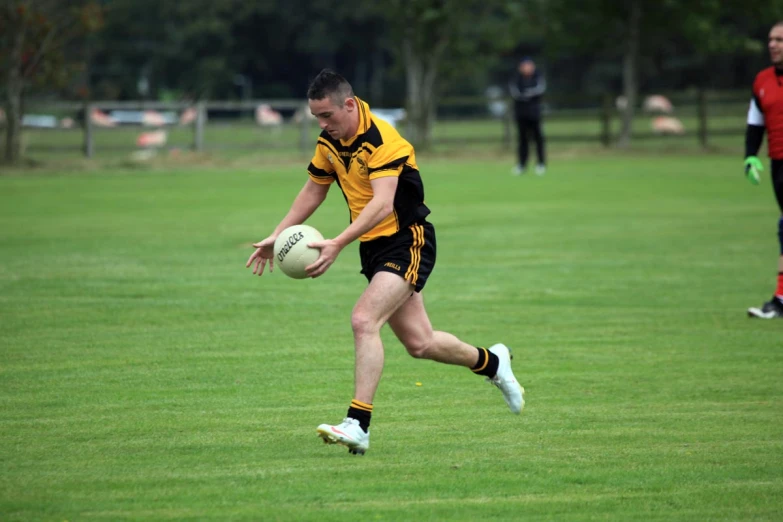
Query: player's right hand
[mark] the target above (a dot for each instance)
(265, 252)
(753, 168)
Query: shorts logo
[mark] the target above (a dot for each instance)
(394, 266)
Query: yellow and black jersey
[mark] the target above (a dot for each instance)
(376, 151)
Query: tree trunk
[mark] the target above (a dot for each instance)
(416, 99)
(376, 78)
(421, 70)
(13, 100)
(630, 65)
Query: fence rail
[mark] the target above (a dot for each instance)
(216, 125)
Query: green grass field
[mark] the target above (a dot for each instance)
(145, 374)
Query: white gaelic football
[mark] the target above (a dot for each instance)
(292, 254)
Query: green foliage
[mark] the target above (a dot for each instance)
(187, 45)
(475, 34)
(199, 46)
(674, 34)
(50, 33)
(196, 48)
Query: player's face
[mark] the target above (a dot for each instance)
(776, 45)
(334, 119)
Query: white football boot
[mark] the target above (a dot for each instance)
(772, 309)
(504, 379)
(348, 433)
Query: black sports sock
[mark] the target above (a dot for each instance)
(487, 363)
(362, 412)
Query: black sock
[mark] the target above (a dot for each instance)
(362, 412)
(487, 363)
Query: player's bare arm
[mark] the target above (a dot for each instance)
(380, 206)
(306, 202)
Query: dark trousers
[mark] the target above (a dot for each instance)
(777, 181)
(529, 127)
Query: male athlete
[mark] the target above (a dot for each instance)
(376, 170)
(766, 112)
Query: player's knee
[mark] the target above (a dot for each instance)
(418, 347)
(364, 323)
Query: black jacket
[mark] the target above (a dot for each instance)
(527, 92)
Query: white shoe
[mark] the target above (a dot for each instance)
(518, 170)
(540, 169)
(770, 310)
(504, 379)
(348, 433)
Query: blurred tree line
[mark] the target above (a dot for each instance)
(395, 53)
(199, 47)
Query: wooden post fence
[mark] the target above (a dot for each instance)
(87, 145)
(702, 116)
(198, 126)
(606, 120)
(300, 129)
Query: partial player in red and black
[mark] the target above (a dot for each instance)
(766, 114)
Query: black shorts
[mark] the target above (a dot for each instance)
(409, 253)
(777, 181)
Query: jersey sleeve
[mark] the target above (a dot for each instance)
(755, 116)
(755, 111)
(388, 159)
(320, 169)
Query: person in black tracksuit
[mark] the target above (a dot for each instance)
(527, 88)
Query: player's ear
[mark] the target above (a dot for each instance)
(350, 103)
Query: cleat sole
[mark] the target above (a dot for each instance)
(330, 439)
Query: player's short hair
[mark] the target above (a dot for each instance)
(330, 84)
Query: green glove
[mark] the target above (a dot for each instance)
(753, 167)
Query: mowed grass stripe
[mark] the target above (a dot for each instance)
(145, 374)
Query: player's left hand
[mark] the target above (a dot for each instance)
(330, 249)
(753, 167)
